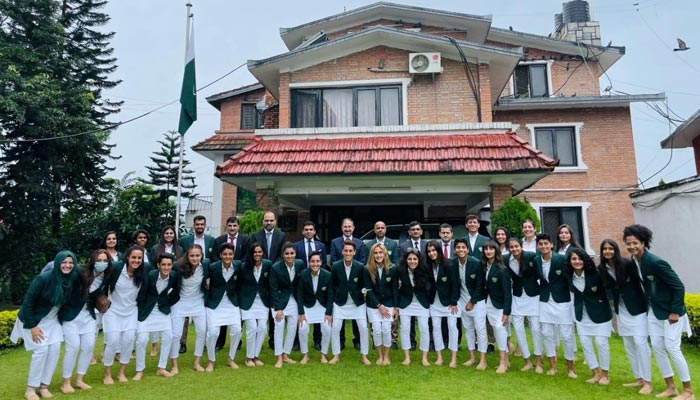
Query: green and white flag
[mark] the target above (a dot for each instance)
(188, 95)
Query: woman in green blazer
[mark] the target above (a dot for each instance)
(254, 302)
(667, 318)
(499, 298)
(284, 278)
(38, 325)
(382, 296)
(444, 297)
(414, 287)
(109, 243)
(592, 312)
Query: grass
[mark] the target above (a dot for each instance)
(349, 379)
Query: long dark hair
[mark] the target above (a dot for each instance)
(103, 242)
(618, 264)
(421, 275)
(187, 269)
(139, 272)
(589, 267)
(498, 258)
(572, 242)
(438, 249)
(524, 268)
(177, 252)
(87, 271)
(249, 261)
(506, 231)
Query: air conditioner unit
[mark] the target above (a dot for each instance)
(424, 63)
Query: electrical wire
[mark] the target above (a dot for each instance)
(476, 87)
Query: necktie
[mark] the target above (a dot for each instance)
(308, 249)
(269, 243)
(233, 243)
(416, 246)
(445, 252)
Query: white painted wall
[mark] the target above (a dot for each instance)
(673, 214)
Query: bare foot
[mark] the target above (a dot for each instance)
(502, 368)
(82, 385)
(425, 362)
(380, 361)
(527, 367)
(365, 360)
(572, 374)
(230, 363)
(645, 390)
(122, 378)
(539, 369)
(469, 362)
(334, 360)
(279, 363)
(288, 360)
(154, 349)
(481, 367)
(138, 376)
(669, 392)
(324, 360)
(686, 394)
(210, 367)
(198, 368)
(250, 363)
(44, 393)
(406, 361)
(30, 394)
(633, 384)
(164, 373)
(258, 363)
(66, 388)
(387, 361)
(552, 372)
(93, 361)
(174, 371)
(604, 381)
(453, 364)
(439, 361)
(304, 359)
(107, 380)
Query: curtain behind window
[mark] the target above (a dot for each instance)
(337, 107)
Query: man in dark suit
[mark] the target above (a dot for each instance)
(392, 246)
(309, 244)
(271, 238)
(348, 227)
(272, 241)
(198, 237)
(415, 231)
(241, 243)
(474, 238)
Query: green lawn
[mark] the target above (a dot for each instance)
(349, 379)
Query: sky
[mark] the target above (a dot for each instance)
(150, 48)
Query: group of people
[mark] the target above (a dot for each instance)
(449, 287)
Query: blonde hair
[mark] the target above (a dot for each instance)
(372, 265)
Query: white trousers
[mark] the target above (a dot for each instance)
(495, 318)
(76, 343)
(154, 337)
(423, 333)
(601, 343)
(200, 328)
(142, 340)
(43, 364)
(284, 341)
(234, 333)
(453, 341)
(381, 333)
(565, 332)
(667, 346)
(255, 332)
(639, 356)
(325, 337)
(119, 342)
(335, 335)
(518, 322)
(475, 331)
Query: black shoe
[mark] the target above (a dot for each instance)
(219, 348)
(342, 346)
(183, 348)
(295, 347)
(413, 347)
(490, 348)
(356, 346)
(317, 346)
(394, 346)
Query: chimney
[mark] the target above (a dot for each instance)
(574, 23)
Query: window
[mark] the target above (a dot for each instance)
(559, 142)
(530, 80)
(553, 217)
(347, 106)
(251, 117)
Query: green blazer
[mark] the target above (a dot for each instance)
(203, 287)
(473, 278)
(626, 287)
(218, 285)
(281, 287)
(593, 298)
(37, 301)
(187, 241)
(556, 283)
(663, 288)
(248, 287)
(342, 286)
(476, 251)
(384, 291)
(447, 284)
(406, 292)
(306, 297)
(392, 247)
(76, 300)
(148, 295)
(498, 288)
(526, 279)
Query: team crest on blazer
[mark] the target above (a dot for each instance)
(594, 289)
(650, 277)
(558, 272)
(323, 288)
(355, 280)
(265, 274)
(494, 279)
(530, 263)
(388, 279)
(473, 276)
(444, 279)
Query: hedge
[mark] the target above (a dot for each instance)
(7, 322)
(692, 305)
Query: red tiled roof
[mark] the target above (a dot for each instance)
(225, 141)
(482, 153)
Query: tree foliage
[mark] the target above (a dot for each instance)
(512, 214)
(251, 221)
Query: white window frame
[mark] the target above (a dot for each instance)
(549, 63)
(581, 165)
(584, 206)
(404, 82)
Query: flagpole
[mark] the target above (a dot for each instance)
(182, 136)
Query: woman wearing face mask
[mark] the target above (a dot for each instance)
(120, 321)
(79, 320)
(38, 325)
(498, 298)
(414, 286)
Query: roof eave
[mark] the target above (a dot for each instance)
(216, 99)
(546, 103)
(684, 135)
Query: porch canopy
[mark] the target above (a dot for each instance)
(432, 165)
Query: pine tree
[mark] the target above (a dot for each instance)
(162, 175)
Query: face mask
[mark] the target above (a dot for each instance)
(101, 266)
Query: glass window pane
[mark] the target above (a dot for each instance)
(337, 107)
(248, 116)
(522, 81)
(550, 221)
(366, 108)
(538, 80)
(572, 217)
(566, 148)
(390, 112)
(304, 107)
(543, 140)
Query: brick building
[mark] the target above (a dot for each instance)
(352, 121)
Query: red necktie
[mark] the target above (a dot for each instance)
(444, 250)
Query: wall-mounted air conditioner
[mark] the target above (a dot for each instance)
(424, 63)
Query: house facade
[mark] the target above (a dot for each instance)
(403, 113)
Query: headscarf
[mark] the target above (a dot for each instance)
(61, 283)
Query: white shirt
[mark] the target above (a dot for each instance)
(201, 243)
(545, 268)
(314, 281)
(381, 241)
(380, 272)
(235, 240)
(97, 282)
(472, 240)
(410, 277)
(227, 272)
(514, 265)
(611, 271)
(580, 281)
(563, 251)
(348, 269)
(530, 246)
(256, 272)
(463, 291)
(435, 273)
(168, 248)
(308, 242)
(291, 271)
(162, 283)
(192, 286)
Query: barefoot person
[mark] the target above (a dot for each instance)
(414, 286)
(284, 278)
(444, 297)
(498, 298)
(380, 286)
(313, 300)
(254, 302)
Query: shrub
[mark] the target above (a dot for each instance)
(512, 214)
(692, 305)
(7, 322)
(251, 221)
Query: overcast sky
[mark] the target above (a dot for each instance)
(150, 44)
